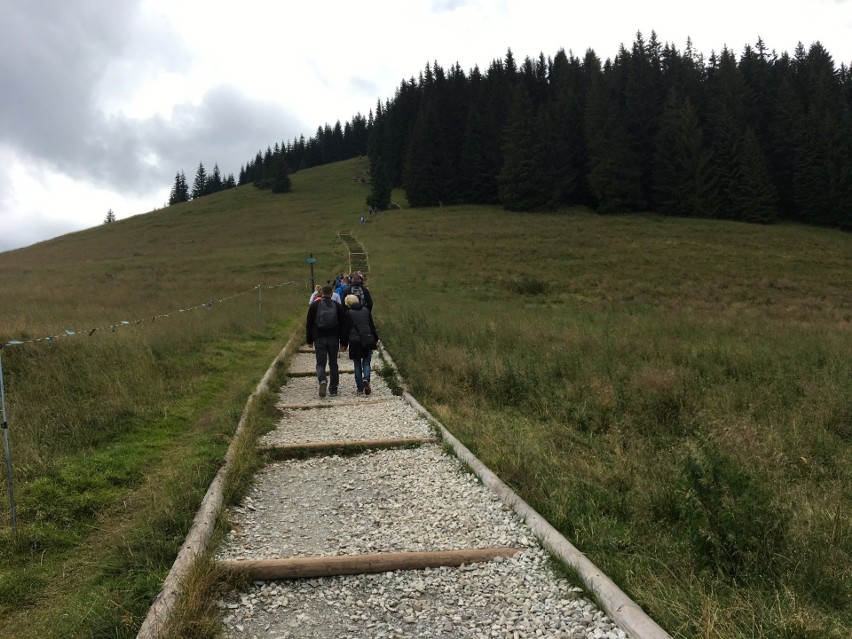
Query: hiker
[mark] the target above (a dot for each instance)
(362, 338)
(324, 331)
(356, 287)
(317, 292)
(342, 284)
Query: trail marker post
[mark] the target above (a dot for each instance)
(5, 425)
(311, 260)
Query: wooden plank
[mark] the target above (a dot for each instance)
(310, 567)
(348, 444)
(314, 373)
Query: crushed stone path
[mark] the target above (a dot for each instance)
(393, 500)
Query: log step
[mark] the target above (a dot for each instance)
(311, 567)
(353, 444)
(314, 373)
(282, 407)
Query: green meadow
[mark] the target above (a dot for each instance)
(674, 395)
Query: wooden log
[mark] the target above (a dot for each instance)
(310, 567)
(342, 371)
(331, 404)
(348, 444)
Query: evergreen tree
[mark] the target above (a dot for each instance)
(380, 194)
(614, 176)
(180, 189)
(682, 179)
(525, 178)
(214, 181)
(280, 178)
(754, 197)
(110, 217)
(199, 187)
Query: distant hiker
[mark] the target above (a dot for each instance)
(356, 287)
(324, 330)
(342, 284)
(317, 292)
(362, 337)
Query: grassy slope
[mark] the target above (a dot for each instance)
(672, 394)
(115, 437)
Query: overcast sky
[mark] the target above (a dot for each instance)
(103, 101)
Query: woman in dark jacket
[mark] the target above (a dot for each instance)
(362, 340)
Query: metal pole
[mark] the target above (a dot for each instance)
(5, 425)
(260, 304)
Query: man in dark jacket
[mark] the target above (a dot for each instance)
(325, 331)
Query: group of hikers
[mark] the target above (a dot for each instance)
(340, 319)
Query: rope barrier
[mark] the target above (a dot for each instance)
(112, 327)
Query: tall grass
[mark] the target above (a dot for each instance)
(674, 395)
(116, 435)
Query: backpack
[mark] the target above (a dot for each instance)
(358, 292)
(326, 314)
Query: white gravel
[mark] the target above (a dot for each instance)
(389, 419)
(409, 499)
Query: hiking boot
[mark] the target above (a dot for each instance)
(359, 391)
(332, 392)
(323, 386)
(367, 389)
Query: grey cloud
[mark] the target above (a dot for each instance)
(361, 86)
(54, 57)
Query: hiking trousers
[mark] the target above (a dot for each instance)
(326, 350)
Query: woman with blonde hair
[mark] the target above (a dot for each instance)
(363, 338)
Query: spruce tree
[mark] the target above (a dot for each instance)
(199, 186)
(754, 195)
(614, 176)
(525, 177)
(280, 178)
(682, 179)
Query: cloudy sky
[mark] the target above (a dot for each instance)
(102, 101)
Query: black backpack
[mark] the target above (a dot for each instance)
(358, 292)
(326, 314)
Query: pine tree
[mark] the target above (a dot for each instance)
(110, 217)
(180, 190)
(754, 196)
(280, 178)
(614, 176)
(214, 182)
(682, 179)
(199, 187)
(524, 181)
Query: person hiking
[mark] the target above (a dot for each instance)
(324, 331)
(356, 287)
(341, 284)
(362, 338)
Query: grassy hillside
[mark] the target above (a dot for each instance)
(115, 436)
(674, 395)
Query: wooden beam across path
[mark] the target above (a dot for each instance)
(311, 567)
(331, 404)
(352, 444)
(314, 373)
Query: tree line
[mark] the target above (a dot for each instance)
(203, 184)
(757, 138)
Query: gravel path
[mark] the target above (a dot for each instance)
(407, 499)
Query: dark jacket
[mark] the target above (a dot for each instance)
(359, 321)
(311, 330)
(368, 299)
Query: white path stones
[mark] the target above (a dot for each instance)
(407, 499)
